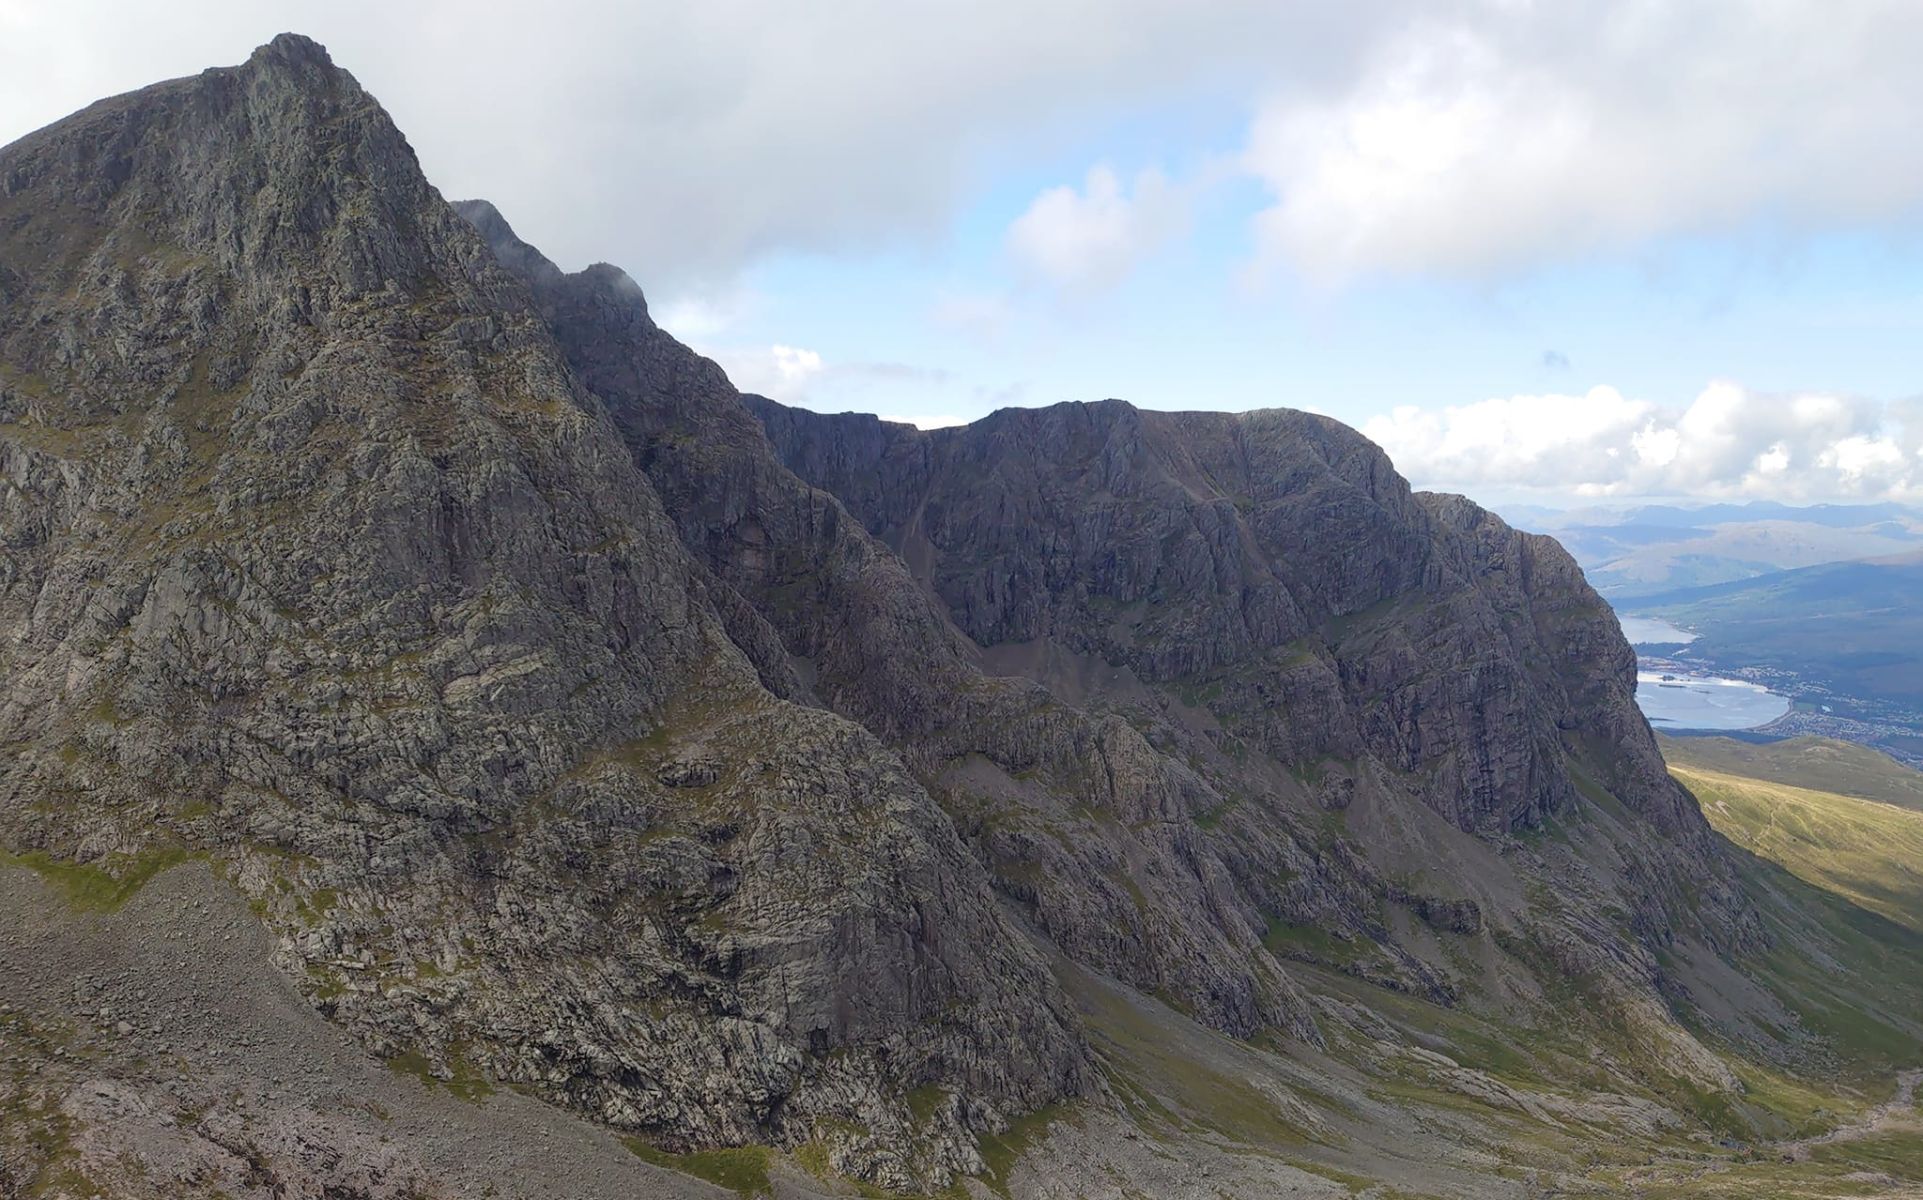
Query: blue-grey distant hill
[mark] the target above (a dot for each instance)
(1834, 516)
(1630, 554)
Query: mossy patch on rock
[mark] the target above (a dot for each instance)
(742, 1170)
(103, 885)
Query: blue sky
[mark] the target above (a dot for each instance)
(1541, 252)
(1186, 330)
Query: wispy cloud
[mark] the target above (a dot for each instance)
(780, 372)
(980, 316)
(1093, 237)
(705, 315)
(930, 397)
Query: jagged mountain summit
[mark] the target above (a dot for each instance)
(948, 809)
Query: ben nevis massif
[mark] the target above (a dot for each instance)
(452, 744)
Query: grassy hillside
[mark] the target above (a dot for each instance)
(1865, 851)
(1820, 764)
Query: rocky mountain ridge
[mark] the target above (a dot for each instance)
(733, 774)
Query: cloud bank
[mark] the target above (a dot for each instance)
(687, 141)
(1496, 136)
(1728, 442)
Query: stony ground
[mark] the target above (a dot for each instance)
(153, 1051)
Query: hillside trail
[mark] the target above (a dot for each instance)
(1898, 1110)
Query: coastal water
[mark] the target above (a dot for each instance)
(1653, 631)
(1706, 702)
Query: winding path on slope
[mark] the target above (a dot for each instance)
(1898, 1112)
(1898, 1109)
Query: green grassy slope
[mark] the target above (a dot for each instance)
(1840, 881)
(1821, 764)
(1869, 853)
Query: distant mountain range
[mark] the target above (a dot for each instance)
(1632, 553)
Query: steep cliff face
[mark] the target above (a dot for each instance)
(1098, 844)
(319, 559)
(1572, 649)
(1142, 657)
(1276, 560)
(1267, 600)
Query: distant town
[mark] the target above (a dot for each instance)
(1815, 708)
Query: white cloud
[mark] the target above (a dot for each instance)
(685, 140)
(1504, 135)
(1507, 439)
(921, 396)
(1908, 416)
(778, 372)
(1727, 442)
(1092, 238)
(794, 364)
(1867, 462)
(704, 315)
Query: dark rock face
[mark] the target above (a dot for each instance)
(849, 626)
(1342, 628)
(1325, 631)
(711, 766)
(1193, 546)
